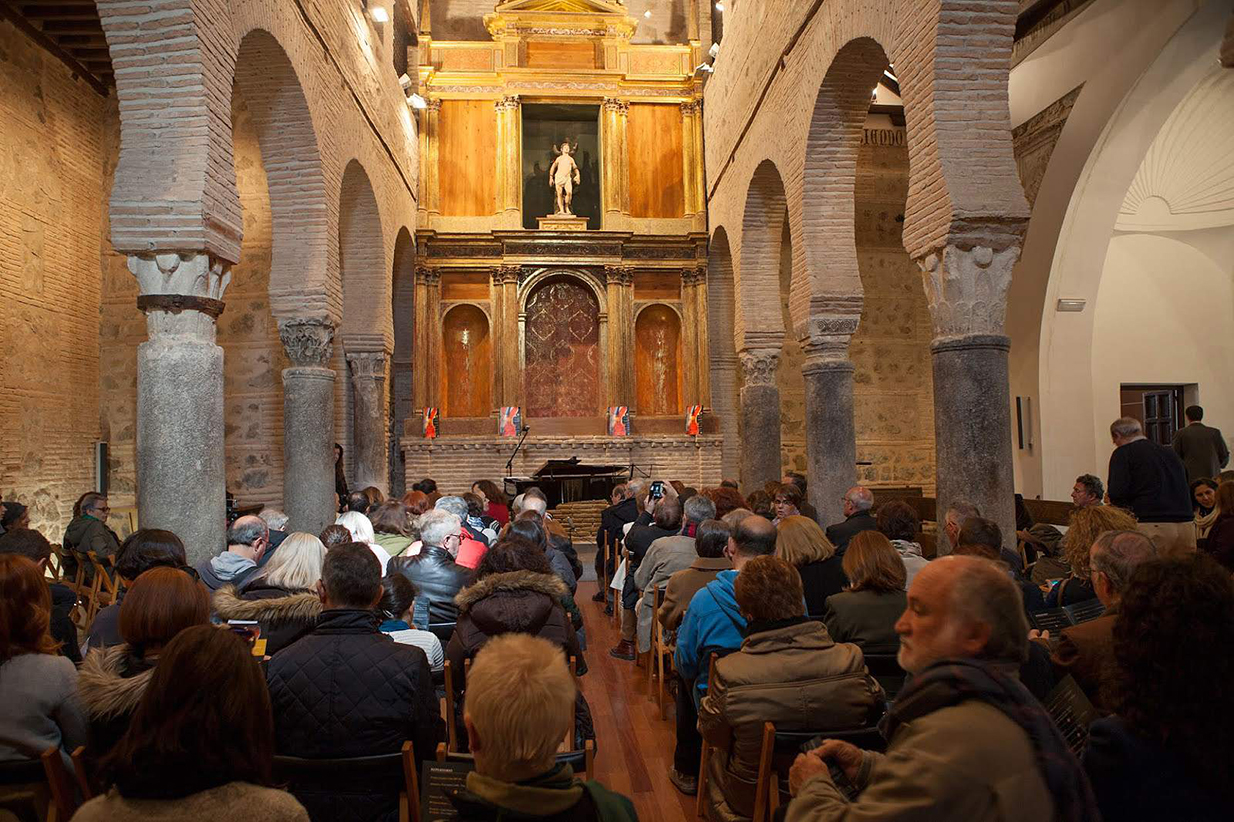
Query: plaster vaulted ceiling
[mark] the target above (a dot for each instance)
(1186, 180)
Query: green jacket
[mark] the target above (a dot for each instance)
(556, 796)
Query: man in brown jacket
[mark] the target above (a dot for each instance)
(965, 739)
(683, 585)
(1086, 651)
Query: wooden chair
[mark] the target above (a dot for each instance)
(785, 745)
(24, 792)
(604, 578)
(53, 568)
(103, 590)
(707, 753)
(81, 771)
(399, 766)
(586, 757)
(80, 587)
(63, 797)
(451, 731)
(659, 650)
(623, 554)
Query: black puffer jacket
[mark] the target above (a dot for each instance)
(437, 576)
(346, 689)
(284, 616)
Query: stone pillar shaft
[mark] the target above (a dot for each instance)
(181, 476)
(368, 385)
(308, 424)
(760, 417)
(831, 440)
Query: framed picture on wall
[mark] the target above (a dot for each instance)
(619, 421)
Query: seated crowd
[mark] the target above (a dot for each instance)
(871, 668)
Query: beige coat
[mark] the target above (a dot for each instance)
(794, 676)
(665, 557)
(966, 762)
(235, 800)
(683, 585)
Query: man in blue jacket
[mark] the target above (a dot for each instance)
(713, 622)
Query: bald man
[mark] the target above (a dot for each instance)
(247, 541)
(857, 518)
(965, 739)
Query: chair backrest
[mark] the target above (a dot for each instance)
(21, 772)
(62, 793)
(581, 762)
(442, 630)
(392, 768)
(886, 669)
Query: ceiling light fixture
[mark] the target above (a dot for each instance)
(720, 7)
(417, 102)
(647, 14)
(379, 14)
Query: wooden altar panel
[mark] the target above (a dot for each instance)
(468, 158)
(657, 285)
(561, 371)
(654, 143)
(465, 285)
(466, 363)
(550, 54)
(657, 361)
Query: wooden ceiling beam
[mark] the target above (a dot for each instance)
(57, 27)
(11, 13)
(61, 12)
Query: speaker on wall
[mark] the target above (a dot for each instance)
(100, 467)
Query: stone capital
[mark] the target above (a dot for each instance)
(181, 294)
(427, 275)
(367, 365)
(691, 107)
(615, 105)
(510, 102)
(506, 274)
(758, 366)
(619, 274)
(694, 276)
(309, 343)
(967, 289)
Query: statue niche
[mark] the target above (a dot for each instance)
(657, 366)
(561, 163)
(466, 363)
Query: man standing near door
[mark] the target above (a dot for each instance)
(1201, 448)
(1149, 480)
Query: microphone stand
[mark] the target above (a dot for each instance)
(510, 462)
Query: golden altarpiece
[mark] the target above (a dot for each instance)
(564, 317)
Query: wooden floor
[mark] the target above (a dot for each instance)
(635, 746)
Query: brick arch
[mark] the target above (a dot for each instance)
(722, 354)
(402, 308)
(302, 258)
(828, 208)
(362, 261)
(757, 315)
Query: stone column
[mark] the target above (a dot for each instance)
(308, 424)
(505, 313)
(368, 385)
(181, 478)
(967, 290)
(831, 438)
(619, 281)
(432, 186)
(613, 172)
(691, 163)
(760, 416)
(692, 324)
(510, 161)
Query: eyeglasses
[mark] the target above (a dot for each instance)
(781, 501)
(459, 537)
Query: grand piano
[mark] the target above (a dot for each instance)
(570, 480)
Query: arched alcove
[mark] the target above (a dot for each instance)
(402, 308)
(561, 349)
(657, 361)
(466, 363)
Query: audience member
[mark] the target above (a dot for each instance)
(1165, 754)
(335, 535)
(1086, 651)
(515, 591)
(560, 544)
(857, 518)
(39, 708)
(787, 502)
(760, 503)
(13, 517)
(340, 476)
(200, 744)
(709, 543)
(474, 542)
(361, 529)
(530, 526)
(347, 690)
(282, 598)
(959, 513)
(496, 505)
(247, 541)
(397, 600)
(357, 502)
(1087, 491)
(613, 519)
(34, 546)
(1201, 448)
(1204, 496)
(983, 538)
(520, 704)
(726, 499)
(1149, 480)
(667, 556)
(1023, 519)
(478, 518)
(392, 527)
(866, 612)
(713, 622)
(728, 483)
(802, 544)
(86, 532)
(375, 497)
(736, 515)
(666, 522)
(142, 550)
(1220, 540)
(966, 740)
(417, 502)
(160, 604)
(433, 571)
(1084, 527)
(276, 521)
(786, 662)
(1050, 564)
(899, 523)
(798, 480)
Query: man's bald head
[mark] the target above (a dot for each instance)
(962, 606)
(858, 498)
(248, 536)
(754, 536)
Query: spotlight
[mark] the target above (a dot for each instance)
(379, 14)
(647, 14)
(405, 82)
(720, 7)
(417, 102)
(704, 68)
(714, 51)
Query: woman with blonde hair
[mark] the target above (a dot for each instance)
(282, 598)
(1082, 531)
(361, 528)
(801, 543)
(866, 612)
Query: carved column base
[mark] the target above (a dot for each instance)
(308, 425)
(972, 429)
(831, 439)
(368, 383)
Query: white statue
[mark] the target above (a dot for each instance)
(563, 175)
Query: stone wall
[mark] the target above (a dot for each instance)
(893, 392)
(55, 133)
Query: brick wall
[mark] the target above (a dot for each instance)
(54, 133)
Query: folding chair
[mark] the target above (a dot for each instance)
(396, 767)
(63, 798)
(784, 746)
(53, 568)
(103, 590)
(707, 753)
(81, 770)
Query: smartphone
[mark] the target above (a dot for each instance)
(656, 491)
(247, 629)
(838, 777)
